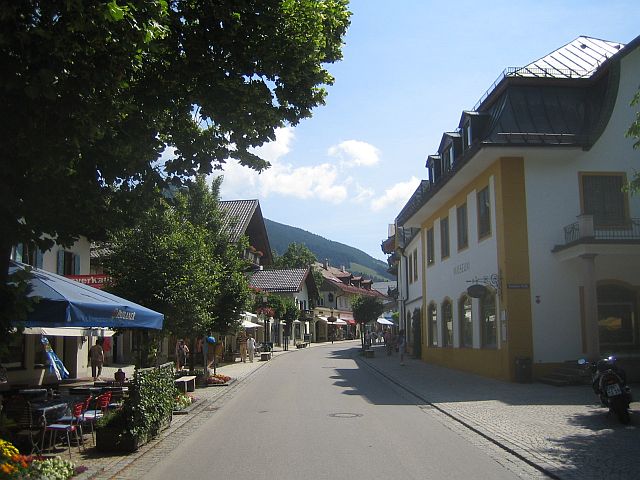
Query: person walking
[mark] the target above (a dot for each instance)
(251, 347)
(388, 341)
(402, 346)
(96, 354)
(242, 342)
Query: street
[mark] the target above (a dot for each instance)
(318, 414)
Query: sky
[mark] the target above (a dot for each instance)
(409, 69)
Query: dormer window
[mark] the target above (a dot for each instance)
(447, 159)
(434, 164)
(467, 139)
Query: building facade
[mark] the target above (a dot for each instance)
(529, 242)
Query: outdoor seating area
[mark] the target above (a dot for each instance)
(41, 421)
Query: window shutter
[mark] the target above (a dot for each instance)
(19, 250)
(76, 264)
(60, 267)
(39, 258)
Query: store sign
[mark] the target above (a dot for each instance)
(96, 281)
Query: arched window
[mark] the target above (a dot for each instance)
(465, 322)
(489, 321)
(447, 324)
(432, 320)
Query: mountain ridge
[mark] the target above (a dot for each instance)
(338, 254)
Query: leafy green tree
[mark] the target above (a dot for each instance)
(94, 92)
(634, 132)
(297, 255)
(366, 309)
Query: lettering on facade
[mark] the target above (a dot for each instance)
(463, 267)
(521, 286)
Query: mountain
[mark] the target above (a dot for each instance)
(338, 254)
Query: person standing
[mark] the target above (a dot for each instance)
(242, 341)
(182, 351)
(96, 355)
(402, 346)
(251, 347)
(388, 341)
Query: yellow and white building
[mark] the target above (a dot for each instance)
(528, 251)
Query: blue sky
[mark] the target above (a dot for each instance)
(410, 68)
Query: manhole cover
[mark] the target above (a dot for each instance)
(345, 415)
(211, 409)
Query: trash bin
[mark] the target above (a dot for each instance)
(523, 370)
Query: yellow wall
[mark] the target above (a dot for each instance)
(513, 264)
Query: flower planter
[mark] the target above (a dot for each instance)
(115, 440)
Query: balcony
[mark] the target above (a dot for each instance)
(585, 237)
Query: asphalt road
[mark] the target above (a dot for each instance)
(317, 415)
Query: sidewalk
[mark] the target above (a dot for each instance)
(558, 430)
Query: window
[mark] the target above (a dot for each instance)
(410, 267)
(447, 159)
(447, 324)
(432, 318)
(602, 197)
(484, 213)
(430, 247)
(466, 134)
(489, 327)
(13, 356)
(444, 237)
(463, 230)
(68, 263)
(415, 265)
(466, 325)
(28, 254)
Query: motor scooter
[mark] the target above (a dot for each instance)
(609, 383)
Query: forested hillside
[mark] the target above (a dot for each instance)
(338, 254)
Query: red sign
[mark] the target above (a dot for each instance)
(97, 280)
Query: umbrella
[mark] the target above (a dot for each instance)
(66, 303)
(384, 321)
(248, 324)
(70, 331)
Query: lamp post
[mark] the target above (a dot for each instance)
(266, 319)
(332, 320)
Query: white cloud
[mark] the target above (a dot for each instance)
(355, 153)
(397, 195)
(272, 151)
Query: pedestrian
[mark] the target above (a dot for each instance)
(242, 342)
(402, 345)
(251, 347)
(96, 355)
(388, 341)
(367, 340)
(182, 352)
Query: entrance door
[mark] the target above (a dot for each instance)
(617, 318)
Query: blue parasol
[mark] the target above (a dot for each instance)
(66, 303)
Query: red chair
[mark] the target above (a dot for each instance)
(55, 428)
(76, 418)
(92, 416)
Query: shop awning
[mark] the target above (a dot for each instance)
(66, 303)
(384, 321)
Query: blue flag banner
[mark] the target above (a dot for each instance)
(55, 364)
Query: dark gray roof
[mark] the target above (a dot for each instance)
(238, 214)
(285, 280)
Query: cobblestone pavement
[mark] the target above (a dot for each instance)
(534, 430)
(558, 430)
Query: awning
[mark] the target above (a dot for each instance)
(248, 324)
(70, 332)
(324, 319)
(67, 303)
(339, 322)
(384, 321)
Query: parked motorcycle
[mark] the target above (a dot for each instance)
(609, 383)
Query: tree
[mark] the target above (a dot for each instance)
(634, 132)
(297, 255)
(94, 92)
(366, 309)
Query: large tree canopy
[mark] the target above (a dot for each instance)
(366, 309)
(94, 92)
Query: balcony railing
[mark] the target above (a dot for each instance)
(584, 228)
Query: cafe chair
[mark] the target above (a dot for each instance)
(92, 416)
(26, 430)
(55, 428)
(76, 418)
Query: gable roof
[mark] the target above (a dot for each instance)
(288, 280)
(244, 217)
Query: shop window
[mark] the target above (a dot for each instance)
(466, 323)
(484, 213)
(617, 325)
(604, 198)
(463, 226)
(444, 237)
(447, 324)
(489, 322)
(430, 247)
(13, 356)
(432, 318)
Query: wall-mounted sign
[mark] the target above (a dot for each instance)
(518, 286)
(463, 267)
(476, 291)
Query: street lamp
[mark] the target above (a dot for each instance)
(332, 319)
(266, 318)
